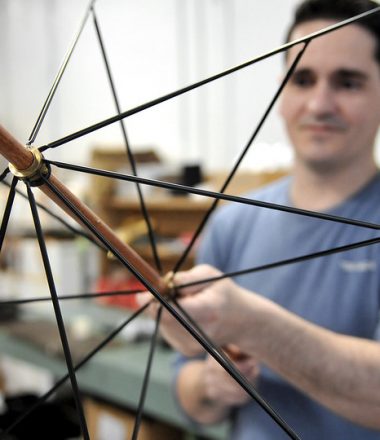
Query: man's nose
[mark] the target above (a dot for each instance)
(321, 99)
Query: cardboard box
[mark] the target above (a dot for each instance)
(106, 422)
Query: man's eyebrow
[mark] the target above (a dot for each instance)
(343, 73)
(351, 73)
(346, 72)
(302, 70)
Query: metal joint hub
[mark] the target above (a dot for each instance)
(35, 171)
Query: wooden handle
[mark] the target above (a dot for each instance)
(22, 159)
(13, 151)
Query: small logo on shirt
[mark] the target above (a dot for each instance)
(358, 266)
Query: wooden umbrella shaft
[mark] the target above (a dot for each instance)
(22, 159)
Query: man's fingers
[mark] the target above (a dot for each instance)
(197, 273)
(143, 298)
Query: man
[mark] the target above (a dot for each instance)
(310, 330)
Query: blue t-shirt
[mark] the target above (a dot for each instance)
(340, 292)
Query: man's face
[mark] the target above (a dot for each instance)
(331, 105)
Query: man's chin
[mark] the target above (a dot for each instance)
(322, 165)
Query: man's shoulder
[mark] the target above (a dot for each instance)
(363, 205)
(274, 192)
(277, 188)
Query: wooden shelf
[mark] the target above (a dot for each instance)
(161, 203)
(172, 216)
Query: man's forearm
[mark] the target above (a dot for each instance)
(341, 372)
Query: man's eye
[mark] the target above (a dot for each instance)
(301, 80)
(350, 84)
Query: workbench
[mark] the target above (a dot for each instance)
(114, 374)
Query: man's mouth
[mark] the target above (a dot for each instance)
(323, 125)
(322, 128)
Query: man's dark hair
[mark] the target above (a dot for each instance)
(339, 10)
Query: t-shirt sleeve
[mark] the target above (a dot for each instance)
(216, 239)
(377, 330)
(208, 252)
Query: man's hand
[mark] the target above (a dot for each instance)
(220, 387)
(207, 392)
(214, 306)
